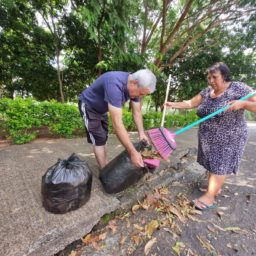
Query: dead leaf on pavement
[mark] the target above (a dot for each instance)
(140, 228)
(193, 218)
(94, 239)
(236, 230)
(178, 247)
(175, 211)
(135, 208)
(137, 239)
(174, 235)
(122, 240)
(73, 253)
(205, 243)
(218, 227)
(112, 225)
(128, 223)
(144, 205)
(151, 227)
(164, 191)
(211, 228)
(149, 245)
(232, 228)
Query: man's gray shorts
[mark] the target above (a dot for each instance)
(96, 125)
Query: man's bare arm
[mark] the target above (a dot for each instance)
(123, 136)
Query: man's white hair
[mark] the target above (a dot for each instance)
(145, 78)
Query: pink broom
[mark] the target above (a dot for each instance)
(162, 138)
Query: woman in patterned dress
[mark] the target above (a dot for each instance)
(221, 139)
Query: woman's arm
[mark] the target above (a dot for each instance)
(186, 104)
(239, 104)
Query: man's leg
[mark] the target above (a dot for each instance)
(100, 154)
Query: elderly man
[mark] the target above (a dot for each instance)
(108, 94)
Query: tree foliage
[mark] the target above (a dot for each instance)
(54, 49)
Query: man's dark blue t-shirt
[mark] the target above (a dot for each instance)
(111, 87)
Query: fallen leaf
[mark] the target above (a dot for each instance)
(112, 225)
(211, 228)
(205, 243)
(135, 208)
(138, 227)
(94, 239)
(151, 227)
(122, 240)
(87, 239)
(102, 236)
(177, 247)
(149, 245)
(164, 191)
(128, 223)
(193, 218)
(137, 239)
(218, 227)
(144, 205)
(174, 235)
(175, 211)
(73, 253)
(232, 229)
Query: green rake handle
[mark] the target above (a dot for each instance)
(211, 115)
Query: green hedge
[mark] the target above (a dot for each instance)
(22, 119)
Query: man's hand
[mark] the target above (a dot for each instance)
(136, 159)
(144, 137)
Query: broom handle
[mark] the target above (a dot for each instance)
(166, 97)
(211, 115)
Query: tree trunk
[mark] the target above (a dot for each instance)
(59, 75)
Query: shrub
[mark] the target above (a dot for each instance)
(24, 117)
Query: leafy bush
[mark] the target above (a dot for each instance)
(153, 119)
(23, 118)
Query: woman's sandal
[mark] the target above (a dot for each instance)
(205, 206)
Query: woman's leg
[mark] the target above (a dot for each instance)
(204, 187)
(215, 183)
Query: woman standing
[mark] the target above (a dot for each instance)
(221, 139)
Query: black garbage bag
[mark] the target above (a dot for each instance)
(66, 185)
(120, 173)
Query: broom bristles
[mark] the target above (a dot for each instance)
(163, 140)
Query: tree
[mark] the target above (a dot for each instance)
(53, 13)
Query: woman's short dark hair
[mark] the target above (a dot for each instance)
(223, 68)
